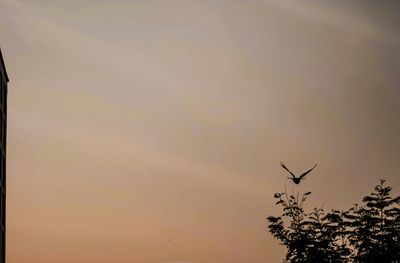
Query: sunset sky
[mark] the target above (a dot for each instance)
(151, 131)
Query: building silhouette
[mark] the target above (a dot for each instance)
(3, 139)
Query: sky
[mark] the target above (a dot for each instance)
(151, 131)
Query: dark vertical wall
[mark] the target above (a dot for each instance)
(3, 136)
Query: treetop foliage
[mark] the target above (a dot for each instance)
(369, 232)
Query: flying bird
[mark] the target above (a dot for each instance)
(295, 179)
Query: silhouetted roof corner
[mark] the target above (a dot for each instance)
(3, 67)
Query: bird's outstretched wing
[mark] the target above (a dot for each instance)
(284, 167)
(305, 173)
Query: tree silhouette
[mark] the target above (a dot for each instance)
(375, 227)
(366, 233)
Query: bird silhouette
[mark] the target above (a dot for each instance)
(295, 179)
